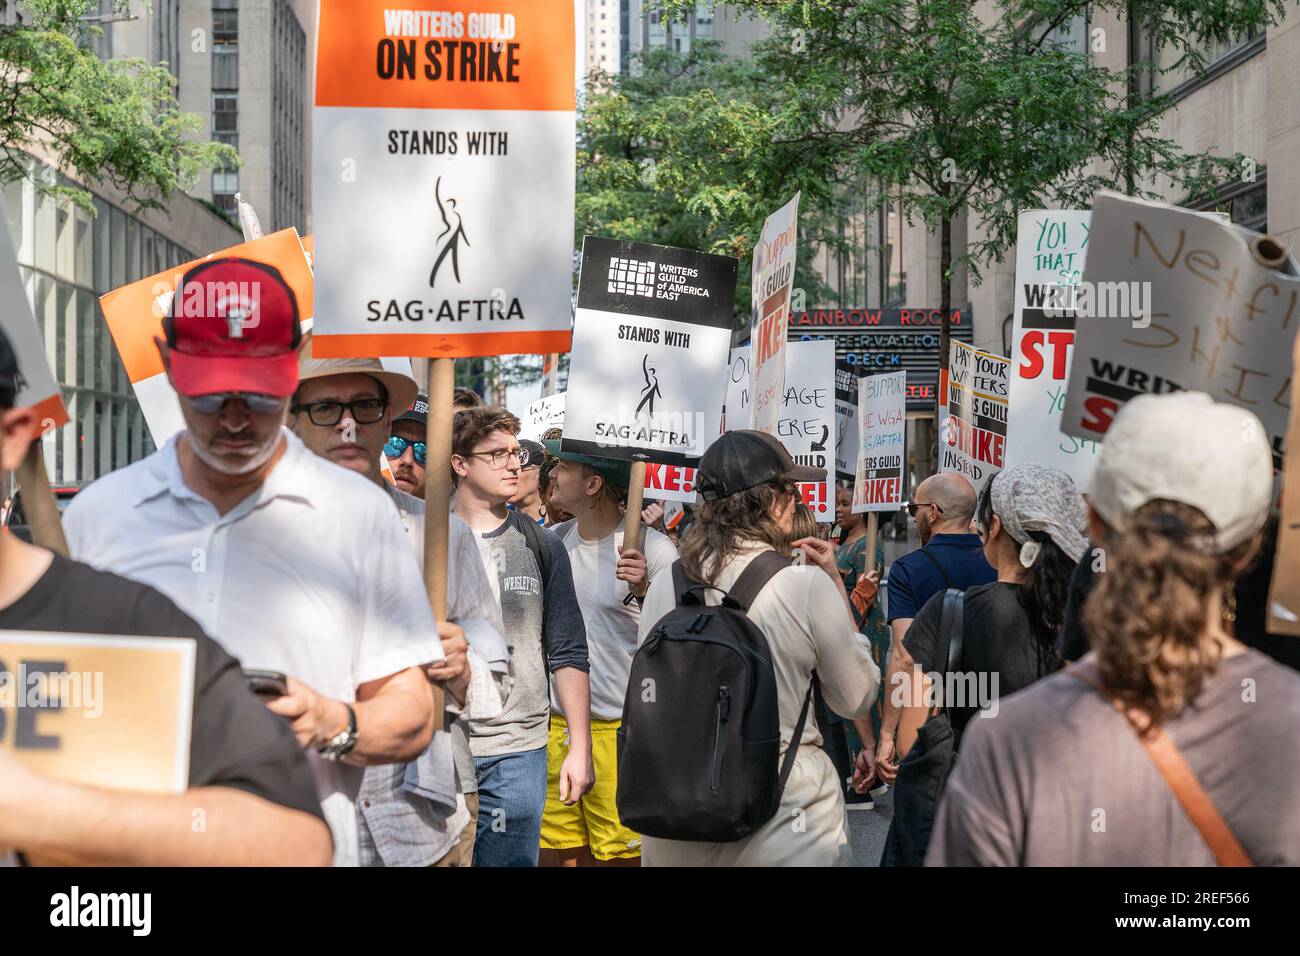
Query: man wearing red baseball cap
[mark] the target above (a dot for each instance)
(292, 564)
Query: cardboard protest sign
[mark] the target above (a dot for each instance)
(542, 415)
(974, 430)
(37, 388)
(1175, 300)
(1284, 590)
(807, 423)
(1051, 248)
(443, 163)
(882, 443)
(771, 285)
(846, 419)
(104, 711)
(650, 343)
(134, 314)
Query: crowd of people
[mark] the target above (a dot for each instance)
(1020, 681)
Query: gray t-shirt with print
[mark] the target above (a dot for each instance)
(543, 626)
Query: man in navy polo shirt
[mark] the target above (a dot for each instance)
(949, 557)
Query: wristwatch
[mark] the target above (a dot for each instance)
(342, 743)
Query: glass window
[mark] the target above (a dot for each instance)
(892, 276)
(65, 368)
(1166, 75)
(132, 249)
(65, 247)
(83, 272)
(86, 332)
(118, 248)
(44, 253)
(101, 252)
(14, 210)
(225, 112)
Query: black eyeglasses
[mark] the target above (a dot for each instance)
(364, 411)
(912, 507)
(257, 404)
(498, 458)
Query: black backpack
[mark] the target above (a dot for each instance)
(700, 737)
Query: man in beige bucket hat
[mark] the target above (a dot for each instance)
(422, 813)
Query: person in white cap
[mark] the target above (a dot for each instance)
(1171, 743)
(1033, 525)
(419, 813)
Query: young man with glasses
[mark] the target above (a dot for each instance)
(257, 539)
(421, 813)
(529, 570)
(949, 557)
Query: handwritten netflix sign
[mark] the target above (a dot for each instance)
(1215, 319)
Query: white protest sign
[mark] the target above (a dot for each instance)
(650, 345)
(1051, 247)
(737, 408)
(846, 419)
(882, 442)
(37, 388)
(670, 482)
(807, 423)
(974, 397)
(1175, 300)
(443, 165)
(542, 415)
(771, 284)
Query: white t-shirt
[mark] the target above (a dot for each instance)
(311, 575)
(611, 624)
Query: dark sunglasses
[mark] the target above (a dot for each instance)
(913, 506)
(257, 404)
(364, 411)
(396, 447)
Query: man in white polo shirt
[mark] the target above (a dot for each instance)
(292, 564)
(423, 813)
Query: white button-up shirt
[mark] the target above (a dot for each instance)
(310, 575)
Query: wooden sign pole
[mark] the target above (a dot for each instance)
(437, 497)
(635, 497)
(39, 506)
(873, 526)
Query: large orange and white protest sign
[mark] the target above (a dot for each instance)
(104, 711)
(1051, 250)
(444, 155)
(37, 388)
(771, 285)
(1176, 300)
(135, 312)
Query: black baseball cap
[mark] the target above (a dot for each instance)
(743, 459)
(536, 452)
(8, 373)
(418, 412)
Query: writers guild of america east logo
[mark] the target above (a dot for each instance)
(631, 277)
(452, 235)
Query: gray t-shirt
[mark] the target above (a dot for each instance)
(543, 626)
(1058, 777)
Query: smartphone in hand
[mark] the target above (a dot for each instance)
(267, 683)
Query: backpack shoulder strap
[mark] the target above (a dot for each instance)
(935, 561)
(1178, 776)
(753, 578)
(951, 621)
(537, 544)
(787, 765)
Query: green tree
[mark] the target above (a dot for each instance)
(695, 150)
(104, 121)
(955, 115)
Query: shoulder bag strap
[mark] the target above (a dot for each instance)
(1164, 753)
(787, 765)
(935, 561)
(741, 594)
(951, 623)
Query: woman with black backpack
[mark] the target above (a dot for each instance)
(748, 494)
(988, 642)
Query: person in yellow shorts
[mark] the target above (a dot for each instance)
(610, 581)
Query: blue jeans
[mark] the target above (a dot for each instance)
(511, 795)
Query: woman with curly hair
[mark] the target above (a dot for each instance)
(1171, 743)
